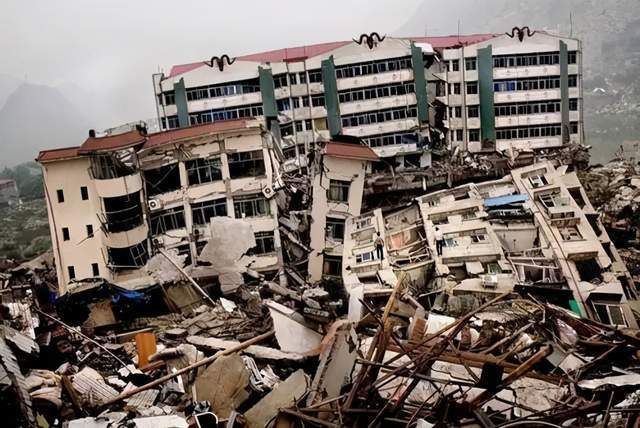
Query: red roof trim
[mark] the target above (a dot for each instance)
(174, 135)
(112, 142)
(57, 154)
(300, 53)
(350, 151)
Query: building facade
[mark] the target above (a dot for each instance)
(477, 93)
(114, 201)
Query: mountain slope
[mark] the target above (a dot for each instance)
(37, 117)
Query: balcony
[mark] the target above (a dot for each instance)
(377, 104)
(120, 186)
(128, 238)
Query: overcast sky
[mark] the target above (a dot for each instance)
(110, 48)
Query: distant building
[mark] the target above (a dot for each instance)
(476, 93)
(8, 192)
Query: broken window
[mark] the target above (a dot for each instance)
(470, 63)
(60, 195)
(162, 180)
(123, 212)
(108, 166)
(588, 269)
(538, 179)
(479, 237)
(338, 191)
(89, 231)
(128, 257)
(84, 193)
(170, 219)
(203, 211)
(246, 164)
(95, 270)
(570, 234)
(72, 272)
(251, 206)
(335, 229)
(610, 313)
(265, 243)
(200, 171)
(332, 266)
(65, 234)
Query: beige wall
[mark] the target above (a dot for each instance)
(336, 169)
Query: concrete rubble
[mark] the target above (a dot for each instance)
(504, 292)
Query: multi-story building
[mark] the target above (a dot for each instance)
(337, 196)
(521, 91)
(480, 92)
(534, 231)
(114, 200)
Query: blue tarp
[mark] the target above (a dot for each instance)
(505, 200)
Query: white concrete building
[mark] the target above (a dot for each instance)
(116, 199)
(337, 196)
(481, 92)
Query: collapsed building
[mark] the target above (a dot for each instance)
(384, 232)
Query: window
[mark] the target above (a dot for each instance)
(283, 104)
(479, 237)
(226, 113)
(89, 231)
(60, 194)
(570, 234)
(95, 270)
(292, 78)
(334, 229)
(470, 63)
(472, 88)
(170, 219)
(573, 104)
(246, 164)
(203, 211)
(573, 81)
(458, 111)
(572, 57)
(202, 170)
(65, 234)
(84, 193)
(338, 191)
(123, 212)
(473, 111)
(474, 135)
(454, 88)
(549, 200)
(72, 272)
(459, 135)
(280, 80)
(373, 67)
(315, 76)
(332, 266)
(317, 100)
(610, 313)
(455, 65)
(162, 180)
(251, 206)
(128, 257)
(450, 242)
(365, 257)
(538, 180)
(303, 77)
(264, 243)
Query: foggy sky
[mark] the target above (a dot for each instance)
(110, 49)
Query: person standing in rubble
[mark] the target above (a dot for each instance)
(439, 241)
(379, 242)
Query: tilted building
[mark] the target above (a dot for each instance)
(534, 231)
(116, 198)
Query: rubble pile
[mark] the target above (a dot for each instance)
(614, 188)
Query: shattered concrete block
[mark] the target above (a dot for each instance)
(285, 394)
(256, 351)
(226, 251)
(162, 270)
(224, 384)
(291, 332)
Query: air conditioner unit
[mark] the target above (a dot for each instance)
(154, 204)
(490, 281)
(268, 192)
